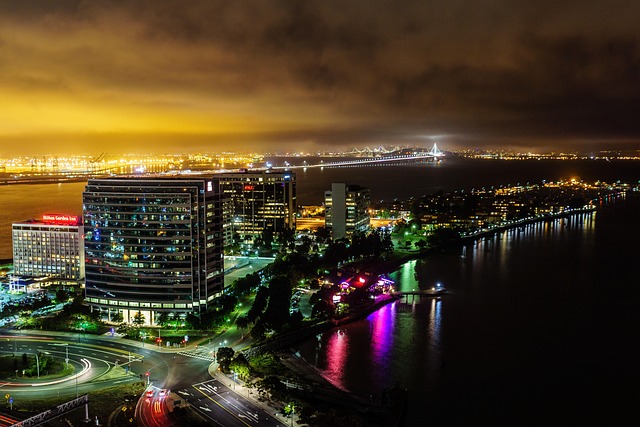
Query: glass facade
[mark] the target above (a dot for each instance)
(259, 201)
(153, 245)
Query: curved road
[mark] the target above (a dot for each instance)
(185, 375)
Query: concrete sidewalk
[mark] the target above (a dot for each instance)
(246, 392)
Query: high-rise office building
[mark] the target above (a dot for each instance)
(51, 247)
(152, 245)
(260, 200)
(346, 209)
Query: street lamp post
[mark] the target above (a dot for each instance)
(66, 357)
(293, 412)
(37, 363)
(15, 345)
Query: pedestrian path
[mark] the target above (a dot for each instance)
(197, 354)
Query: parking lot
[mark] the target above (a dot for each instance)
(236, 267)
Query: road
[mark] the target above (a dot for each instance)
(189, 375)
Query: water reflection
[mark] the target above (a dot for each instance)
(337, 347)
(383, 328)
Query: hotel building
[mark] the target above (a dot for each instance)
(51, 247)
(346, 209)
(153, 244)
(264, 200)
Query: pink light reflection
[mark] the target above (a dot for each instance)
(337, 347)
(382, 335)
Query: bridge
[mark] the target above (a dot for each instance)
(434, 154)
(370, 152)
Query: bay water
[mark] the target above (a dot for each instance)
(539, 326)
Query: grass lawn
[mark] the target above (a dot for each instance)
(50, 368)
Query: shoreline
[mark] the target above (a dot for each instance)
(389, 266)
(313, 375)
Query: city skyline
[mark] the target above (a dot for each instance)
(87, 77)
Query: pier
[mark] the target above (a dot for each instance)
(435, 291)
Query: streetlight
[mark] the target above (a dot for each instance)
(66, 348)
(293, 412)
(15, 345)
(37, 363)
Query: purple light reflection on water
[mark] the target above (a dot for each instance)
(375, 348)
(382, 324)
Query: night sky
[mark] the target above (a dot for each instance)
(176, 77)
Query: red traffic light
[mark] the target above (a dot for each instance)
(147, 373)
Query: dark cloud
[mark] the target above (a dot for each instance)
(324, 72)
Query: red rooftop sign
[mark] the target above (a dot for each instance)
(61, 219)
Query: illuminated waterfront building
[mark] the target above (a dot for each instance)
(152, 245)
(346, 209)
(264, 200)
(51, 247)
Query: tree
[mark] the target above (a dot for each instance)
(305, 245)
(322, 309)
(386, 242)
(271, 384)
(224, 357)
(276, 315)
(259, 303)
(240, 366)
(258, 330)
(193, 321)
(322, 234)
(163, 318)
(62, 296)
(245, 284)
(336, 252)
(267, 238)
(243, 323)
(286, 237)
(296, 318)
(138, 319)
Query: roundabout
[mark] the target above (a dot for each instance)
(86, 366)
(119, 382)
